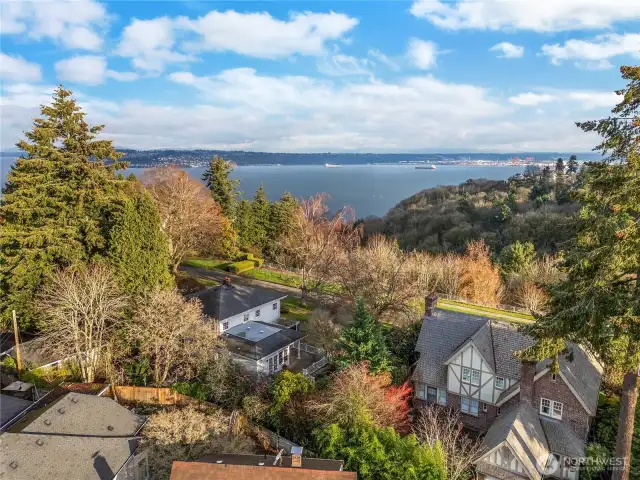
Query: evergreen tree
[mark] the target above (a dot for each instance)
(599, 302)
(223, 189)
(138, 248)
(517, 257)
(261, 211)
(560, 166)
(53, 203)
(243, 224)
(281, 217)
(572, 164)
(363, 341)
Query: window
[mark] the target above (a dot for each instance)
(499, 411)
(258, 313)
(550, 408)
(506, 457)
(469, 405)
(271, 366)
(442, 397)
(432, 394)
(280, 357)
(286, 355)
(246, 317)
(421, 387)
(470, 375)
(484, 407)
(499, 383)
(554, 378)
(274, 306)
(225, 326)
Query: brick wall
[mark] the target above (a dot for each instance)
(574, 415)
(484, 419)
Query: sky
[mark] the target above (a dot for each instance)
(320, 76)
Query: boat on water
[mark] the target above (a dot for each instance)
(331, 165)
(425, 167)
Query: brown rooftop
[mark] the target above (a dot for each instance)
(258, 467)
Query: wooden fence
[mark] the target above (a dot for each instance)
(152, 395)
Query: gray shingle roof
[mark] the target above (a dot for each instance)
(445, 332)
(225, 301)
(10, 407)
(85, 415)
(522, 430)
(561, 439)
(77, 436)
(440, 335)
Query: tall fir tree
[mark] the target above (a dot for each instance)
(261, 209)
(363, 341)
(572, 164)
(137, 247)
(281, 218)
(53, 203)
(223, 189)
(560, 167)
(243, 224)
(599, 302)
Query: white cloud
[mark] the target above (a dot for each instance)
(422, 54)
(531, 99)
(536, 15)
(384, 59)
(241, 109)
(340, 64)
(75, 24)
(508, 50)
(595, 53)
(261, 35)
(17, 69)
(89, 70)
(150, 44)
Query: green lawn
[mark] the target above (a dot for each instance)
(292, 309)
(515, 317)
(274, 276)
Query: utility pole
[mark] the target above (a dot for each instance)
(17, 346)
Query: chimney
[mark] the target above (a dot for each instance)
(226, 281)
(430, 303)
(296, 457)
(527, 374)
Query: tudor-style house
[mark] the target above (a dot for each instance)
(536, 421)
(248, 319)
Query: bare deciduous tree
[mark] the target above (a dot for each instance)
(436, 424)
(172, 332)
(82, 306)
(316, 242)
(322, 330)
(480, 280)
(532, 297)
(192, 220)
(188, 434)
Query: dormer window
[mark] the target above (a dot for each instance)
(470, 375)
(550, 408)
(499, 383)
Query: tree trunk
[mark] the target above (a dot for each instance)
(628, 401)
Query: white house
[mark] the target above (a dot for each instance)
(248, 319)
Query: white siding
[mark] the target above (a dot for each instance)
(470, 357)
(267, 314)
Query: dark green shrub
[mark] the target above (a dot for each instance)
(192, 389)
(239, 267)
(244, 256)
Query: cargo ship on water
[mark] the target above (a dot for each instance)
(331, 165)
(425, 167)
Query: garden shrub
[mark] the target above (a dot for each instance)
(239, 267)
(258, 262)
(244, 256)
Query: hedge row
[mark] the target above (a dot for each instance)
(249, 256)
(242, 266)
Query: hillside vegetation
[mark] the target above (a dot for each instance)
(445, 219)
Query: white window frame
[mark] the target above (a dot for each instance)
(245, 317)
(257, 313)
(484, 407)
(475, 374)
(275, 306)
(500, 383)
(442, 396)
(224, 326)
(466, 374)
(550, 408)
(472, 406)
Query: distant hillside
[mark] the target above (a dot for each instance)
(447, 218)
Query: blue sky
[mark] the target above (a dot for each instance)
(379, 76)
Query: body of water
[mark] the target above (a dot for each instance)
(368, 189)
